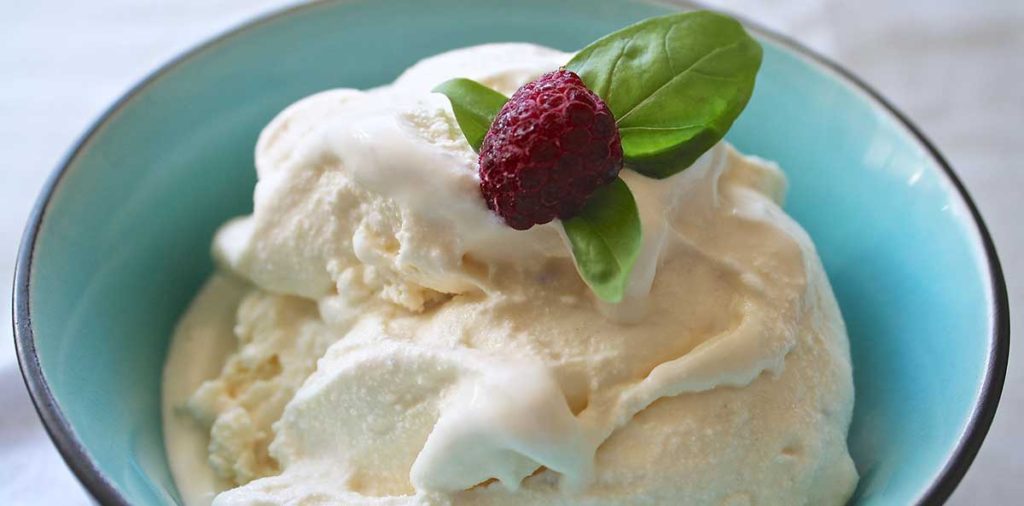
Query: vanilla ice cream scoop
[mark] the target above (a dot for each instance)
(380, 185)
(397, 343)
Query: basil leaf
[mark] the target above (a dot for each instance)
(475, 107)
(606, 239)
(675, 84)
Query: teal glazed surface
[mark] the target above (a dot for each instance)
(123, 238)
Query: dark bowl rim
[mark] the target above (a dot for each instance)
(88, 473)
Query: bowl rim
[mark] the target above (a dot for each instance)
(77, 457)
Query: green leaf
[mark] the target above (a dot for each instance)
(675, 84)
(475, 107)
(606, 240)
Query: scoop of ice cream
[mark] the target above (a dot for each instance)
(468, 363)
(377, 191)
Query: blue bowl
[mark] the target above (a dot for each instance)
(119, 239)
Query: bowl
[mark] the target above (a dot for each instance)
(119, 240)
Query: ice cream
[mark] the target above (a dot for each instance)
(377, 336)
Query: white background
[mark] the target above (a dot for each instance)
(956, 67)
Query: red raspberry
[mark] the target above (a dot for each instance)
(550, 147)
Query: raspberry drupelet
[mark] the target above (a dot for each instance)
(550, 147)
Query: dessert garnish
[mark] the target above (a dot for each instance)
(550, 147)
(651, 97)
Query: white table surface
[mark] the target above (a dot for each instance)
(956, 67)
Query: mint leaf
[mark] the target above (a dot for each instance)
(675, 84)
(475, 107)
(606, 238)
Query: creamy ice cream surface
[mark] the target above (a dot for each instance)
(377, 336)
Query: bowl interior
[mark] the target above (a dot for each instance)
(124, 241)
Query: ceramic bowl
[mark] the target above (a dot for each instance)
(119, 240)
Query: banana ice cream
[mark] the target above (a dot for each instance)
(376, 335)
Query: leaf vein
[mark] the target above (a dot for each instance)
(615, 64)
(659, 129)
(665, 47)
(713, 76)
(676, 77)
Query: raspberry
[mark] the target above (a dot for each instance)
(550, 147)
